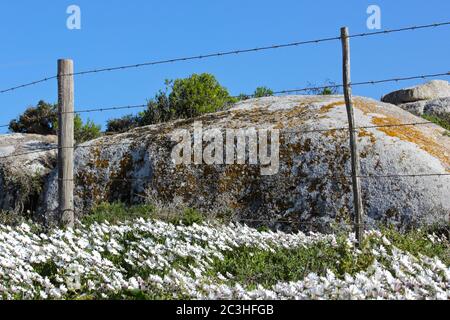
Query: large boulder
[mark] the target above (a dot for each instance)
(439, 108)
(310, 187)
(23, 170)
(431, 90)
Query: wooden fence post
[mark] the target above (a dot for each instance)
(357, 201)
(65, 142)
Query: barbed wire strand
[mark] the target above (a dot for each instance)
(423, 76)
(226, 53)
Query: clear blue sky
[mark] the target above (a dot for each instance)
(34, 36)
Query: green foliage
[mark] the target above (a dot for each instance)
(190, 216)
(251, 266)
(159, 108)
(261, 92)
(117, 212)
(43, 119)
(39, 120)
(87, 131)
(327, 88)
(440, 122)
(418, 242)
(196, 95)
(123, 124)
(180, 99)
(120, 212)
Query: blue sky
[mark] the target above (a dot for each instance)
(34, 36)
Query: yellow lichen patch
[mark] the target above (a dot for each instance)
(405, 133)
(328, 107)
(364, 133)
(365, 106)
(414, 135)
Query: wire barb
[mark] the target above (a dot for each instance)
(225, 53)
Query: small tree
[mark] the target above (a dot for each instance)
(87, 131)
(196, 95)
(43, 119)
(122, 124)
(261, 92)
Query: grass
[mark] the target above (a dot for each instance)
(120, 212)
(418, 242)
(440, 122)
(252, 267)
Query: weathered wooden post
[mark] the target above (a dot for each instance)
(65, 142)
(357, 201)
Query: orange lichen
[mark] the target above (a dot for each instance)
(390, 126)
(364, 133)
(414, 135)
(328, 107)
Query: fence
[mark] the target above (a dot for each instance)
(66, 113)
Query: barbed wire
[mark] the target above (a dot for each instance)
(226, 53)
(265, 48)
(28, 84)
(398, 79)
(335, 178)
(40, 150)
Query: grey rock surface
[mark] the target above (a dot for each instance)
(312, 186)
(22, 177)
(439, 108)
(431, 90)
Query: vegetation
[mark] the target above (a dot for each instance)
(183, 98)
(440, 122)
(327, 88)
(123, 124)
(260, 92)
(43, 119)
(120, 212)
(152, 259)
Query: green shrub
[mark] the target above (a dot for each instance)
(440, 122)
(123, 124)
(120, 212)
(43, 119)
(261, 92)
(327, 88)
(117, 212)
(87, 131)
(196, 95)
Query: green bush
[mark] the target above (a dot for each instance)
(327, 88)
(87, 131)
(123, 124)
(117, 212)
(120, 212)
(43, 119)
(261, 92)
(196, 95)
(440, 122)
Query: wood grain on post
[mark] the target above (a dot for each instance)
(357, 200)
(65, 142)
